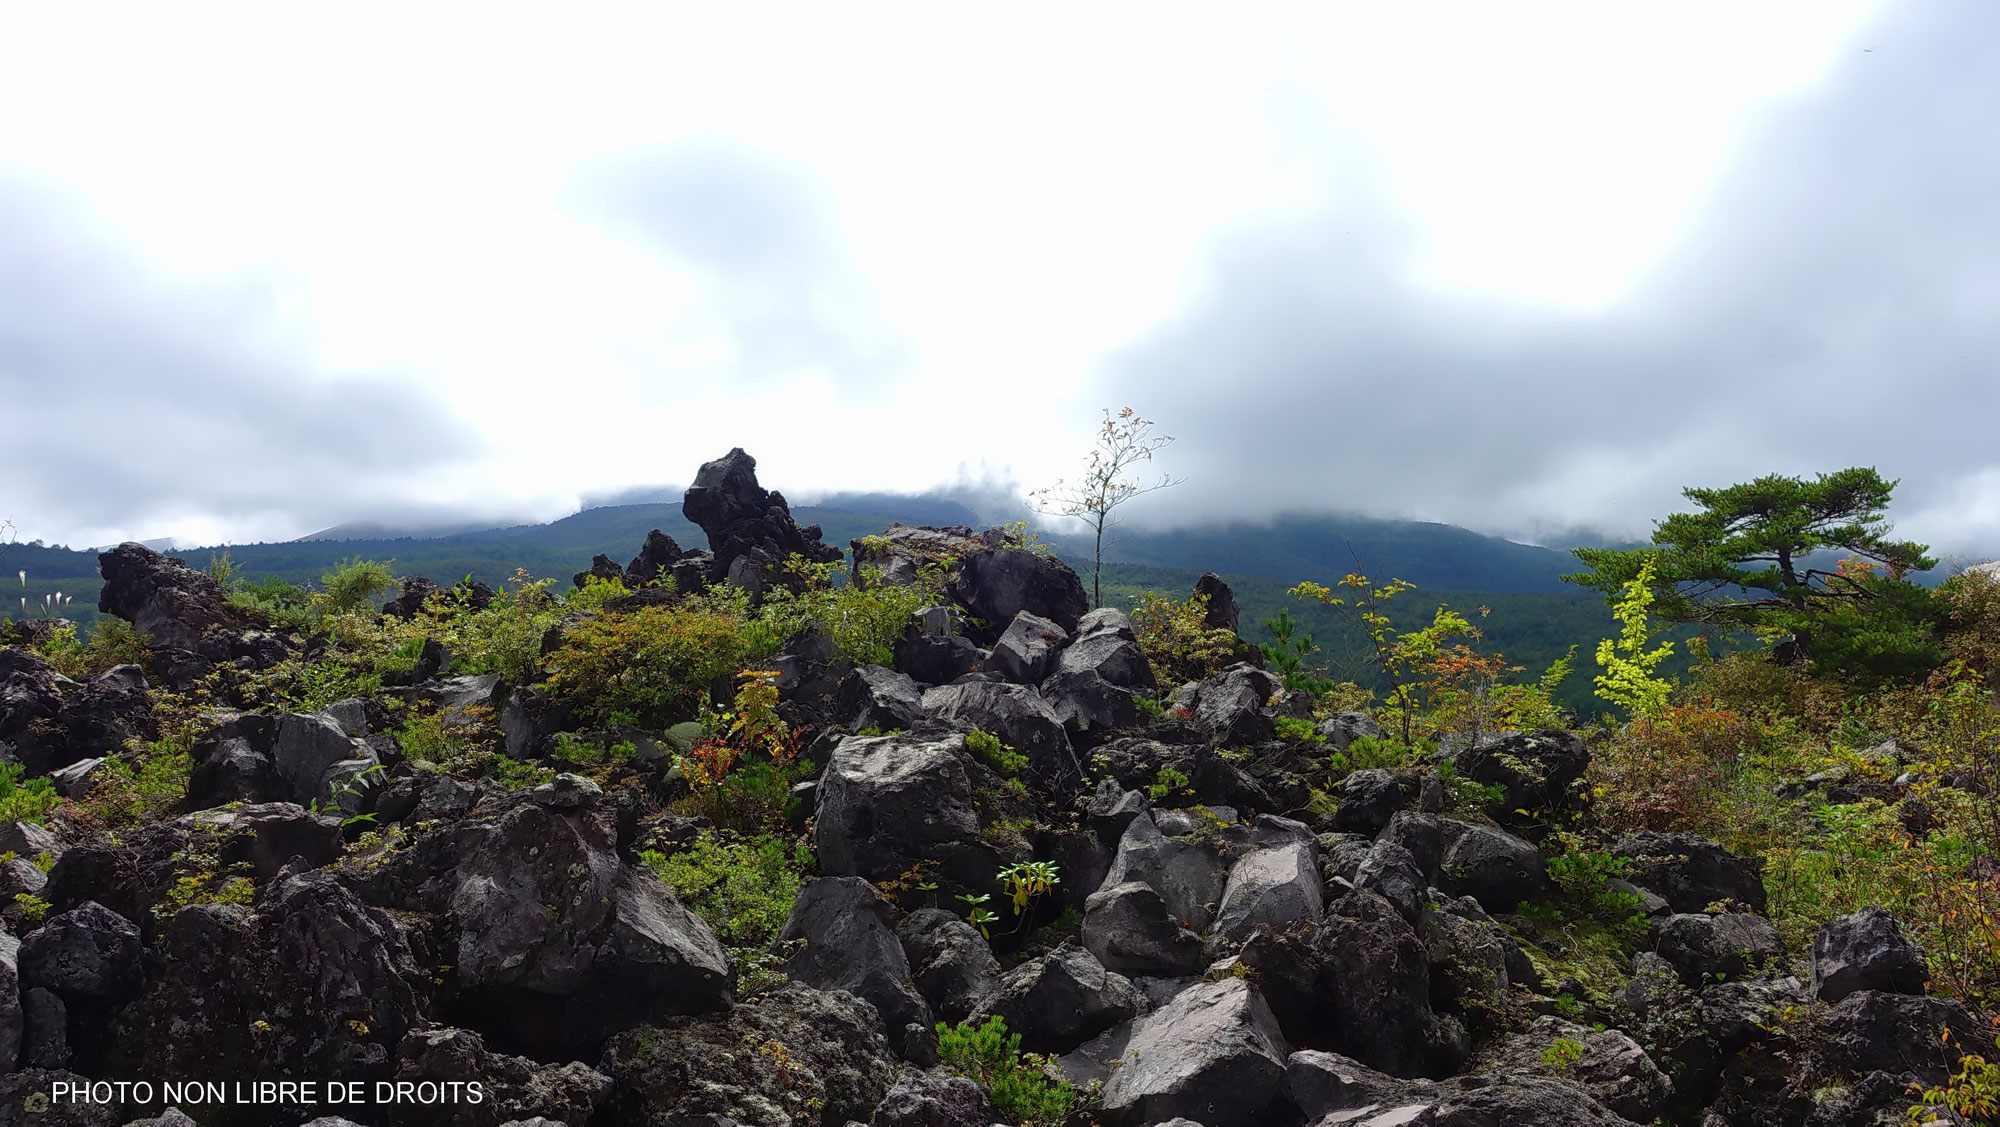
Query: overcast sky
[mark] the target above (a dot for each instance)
(1528, 268)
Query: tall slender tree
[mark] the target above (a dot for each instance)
(1123, 441)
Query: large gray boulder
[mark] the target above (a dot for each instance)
(1540, 772)
(1060, 1000)
(1189, 878)
(950, 962)
(1230, 707)
(1368, 799)
(885, 803)
(87, 954)
(1706, 949)
(1105, 645)
(1270, 888)
(313, 756)
(1019, 716)
(309, 981)
(1213, 1055)
(1612, 1069)
(724, 1068)
(1130, 929)
(511, 1088)
(1026, 651)
(933, 1099)
(995, 584)
(1865, 951)
(554, 941)
(1492, 866)
(851, 945)
(1374, 992)
(1693, 873)
(880, 698)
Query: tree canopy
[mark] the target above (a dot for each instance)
(1756, 556)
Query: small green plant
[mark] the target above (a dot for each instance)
(353, 585)
(1148, 707)
(1364, 752)
(742, 888)
(29, 801)
(1297, 730)
(1025, 880)
(1168, 781)
(1628, 679)
(1563, 1054)
(33, 908)
(999, 756)
(976, 912)
(1024, 1088)
(1973, 1091)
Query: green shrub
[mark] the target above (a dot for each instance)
(865, 620)
(654, 665)
(354, 584)
(1562, 1054)
(29, 801)
(313, 686)
(743, 888)
(34, 909)
(1167, 782)
(1177, 644)
(1024, 1088)
(997, 755)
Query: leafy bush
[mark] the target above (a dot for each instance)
(354, 584)
(997, 755)
(1177, 644)
(1677, 771)
(743, 888)
(864, 620)
(654, 665)
(29, 801)
(1024, 1087)
(313, 686)
(112, 642)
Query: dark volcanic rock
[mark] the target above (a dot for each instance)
(89, 953)
(1019, 716)
(50, 721)
(554, 942)
(309, 982)
(186, 612)
(1213, 1055)
(1706, 949)
(512, 1088)
(658, 554)
(1492, 866)
(1368, 798)
(1870, 1030)
(1865, 951)
(1026, 651)
(836, 1064)
(1129, 928)
(886, 802)
(1060, 1000)
(1691, 872)
(1540, 772)
(1220, 611)
(951, 963)
(851, 945)
(744, 521)
(934, 1099)
(995, 584)
(1230, 706)
(1374, 992)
